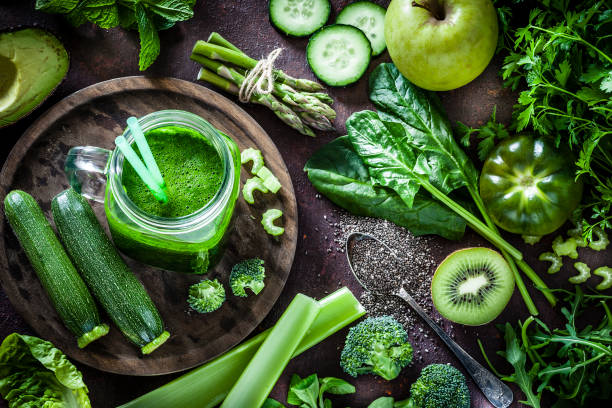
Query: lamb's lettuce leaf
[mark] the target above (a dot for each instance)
(337, 172)
(35, 374)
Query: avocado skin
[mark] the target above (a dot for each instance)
(33, 62)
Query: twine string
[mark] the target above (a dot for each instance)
(259, 80)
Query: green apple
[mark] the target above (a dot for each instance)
(441, 44)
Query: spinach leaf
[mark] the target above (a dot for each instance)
(427, 128)
(385, 150)
(56, 6)
(337, 172)
(149, 38)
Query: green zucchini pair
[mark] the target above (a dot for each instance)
(112, 283)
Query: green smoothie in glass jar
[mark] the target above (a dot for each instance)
(201, 170)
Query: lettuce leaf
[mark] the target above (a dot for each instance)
(35, 374)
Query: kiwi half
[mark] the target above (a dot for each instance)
(472, 286)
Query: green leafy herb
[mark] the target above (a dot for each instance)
(149, 39)
(309, 392)
(572, 363)
(488, 135)
(33, 373)
(338, 172)
(147, 16)
(562, 55)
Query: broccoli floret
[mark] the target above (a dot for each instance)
(206, 296)
(247, 274)
(440, 385)
(377, 345)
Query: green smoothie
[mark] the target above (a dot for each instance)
(190, 166)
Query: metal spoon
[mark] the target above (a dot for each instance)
(498, 393)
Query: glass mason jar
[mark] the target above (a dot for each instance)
(190, 243)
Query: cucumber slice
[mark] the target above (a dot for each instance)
(369, 18)
(339, 54)
(299, 18)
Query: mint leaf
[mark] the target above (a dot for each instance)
(173, 10)
(149, 39)
(104, 13)
(56, 6)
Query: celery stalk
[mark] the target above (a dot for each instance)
(207, 385)
(267, 365)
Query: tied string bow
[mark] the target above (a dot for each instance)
(259, 80)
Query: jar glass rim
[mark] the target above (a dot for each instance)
(211, 210)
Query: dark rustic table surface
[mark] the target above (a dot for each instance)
(98, 55)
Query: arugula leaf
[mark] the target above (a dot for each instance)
(337, 172)
(56, 6)
(149, 39)
(517, 358)
(104, 13)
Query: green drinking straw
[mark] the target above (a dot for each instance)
(141, 169)
(145, 151)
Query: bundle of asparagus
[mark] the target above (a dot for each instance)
(297, 102)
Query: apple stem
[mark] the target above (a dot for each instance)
(433, 7)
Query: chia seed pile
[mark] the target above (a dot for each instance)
(380, 271)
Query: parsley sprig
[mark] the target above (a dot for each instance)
(560, 57)
(146, 16)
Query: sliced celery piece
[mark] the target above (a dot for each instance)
(252, 184)
(267, 220)
(253, 155)
(604, 272)
(267, 365)
(269, 179)
(584, 273)
(207, 385)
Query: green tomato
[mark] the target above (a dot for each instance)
(528, 185)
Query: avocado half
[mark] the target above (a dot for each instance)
(33, 62)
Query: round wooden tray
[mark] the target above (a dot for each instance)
(94, 116)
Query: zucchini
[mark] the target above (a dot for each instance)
(67, 291)
(112, 283)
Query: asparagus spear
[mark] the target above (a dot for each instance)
(296, 83)
(281, 110)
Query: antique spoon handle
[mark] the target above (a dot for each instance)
(498, 393)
